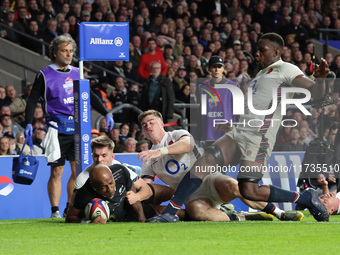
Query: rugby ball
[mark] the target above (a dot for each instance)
(97, 207)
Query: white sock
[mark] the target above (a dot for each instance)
(278, 212)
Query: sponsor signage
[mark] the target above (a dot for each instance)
(104, 41)
(19, 201)
(82, 123)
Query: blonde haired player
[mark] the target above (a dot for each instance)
(170, 158)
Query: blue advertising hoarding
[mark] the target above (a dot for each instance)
(19, 201)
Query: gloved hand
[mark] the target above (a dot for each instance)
(109, 122)
(28, 130)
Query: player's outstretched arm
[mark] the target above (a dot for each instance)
(317, 87)
(73, 216)
(182, 146)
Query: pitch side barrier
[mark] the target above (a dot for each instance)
(116, 109)
(19, 201)
(180, 107)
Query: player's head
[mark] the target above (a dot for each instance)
(149, 112)
(216, 66)
(269, 49)
(59, 44)
(274, 38)
(102, 150)
(331, 202)
(102, 180)
(152, 125)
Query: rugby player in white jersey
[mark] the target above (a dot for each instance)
(170, 158)
(250, 147)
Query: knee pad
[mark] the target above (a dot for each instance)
(216, 152)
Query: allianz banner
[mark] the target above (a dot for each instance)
(104, 41)
(82, 124)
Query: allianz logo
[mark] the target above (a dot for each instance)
(117, 41)
(101, 41)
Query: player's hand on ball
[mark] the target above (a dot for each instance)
(99, 220)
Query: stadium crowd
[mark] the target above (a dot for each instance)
(170, 45)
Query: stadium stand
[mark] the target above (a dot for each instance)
(229, 29)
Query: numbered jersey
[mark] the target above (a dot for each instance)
(265, 86)
(171, 168)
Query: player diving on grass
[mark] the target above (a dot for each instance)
(123, 194)
(170, 158)
(251, 146)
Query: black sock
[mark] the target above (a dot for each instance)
(281, 195)
(187, 186)
(270, 207)
(54, 209)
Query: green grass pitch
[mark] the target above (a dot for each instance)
(47, 236)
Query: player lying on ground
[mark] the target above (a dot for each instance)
(170, 158)
(102, 148)
(251, 146)
(102, 153)
(110, 185)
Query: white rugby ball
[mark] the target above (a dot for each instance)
(97, 207)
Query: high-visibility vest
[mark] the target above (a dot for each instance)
(106, 102)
